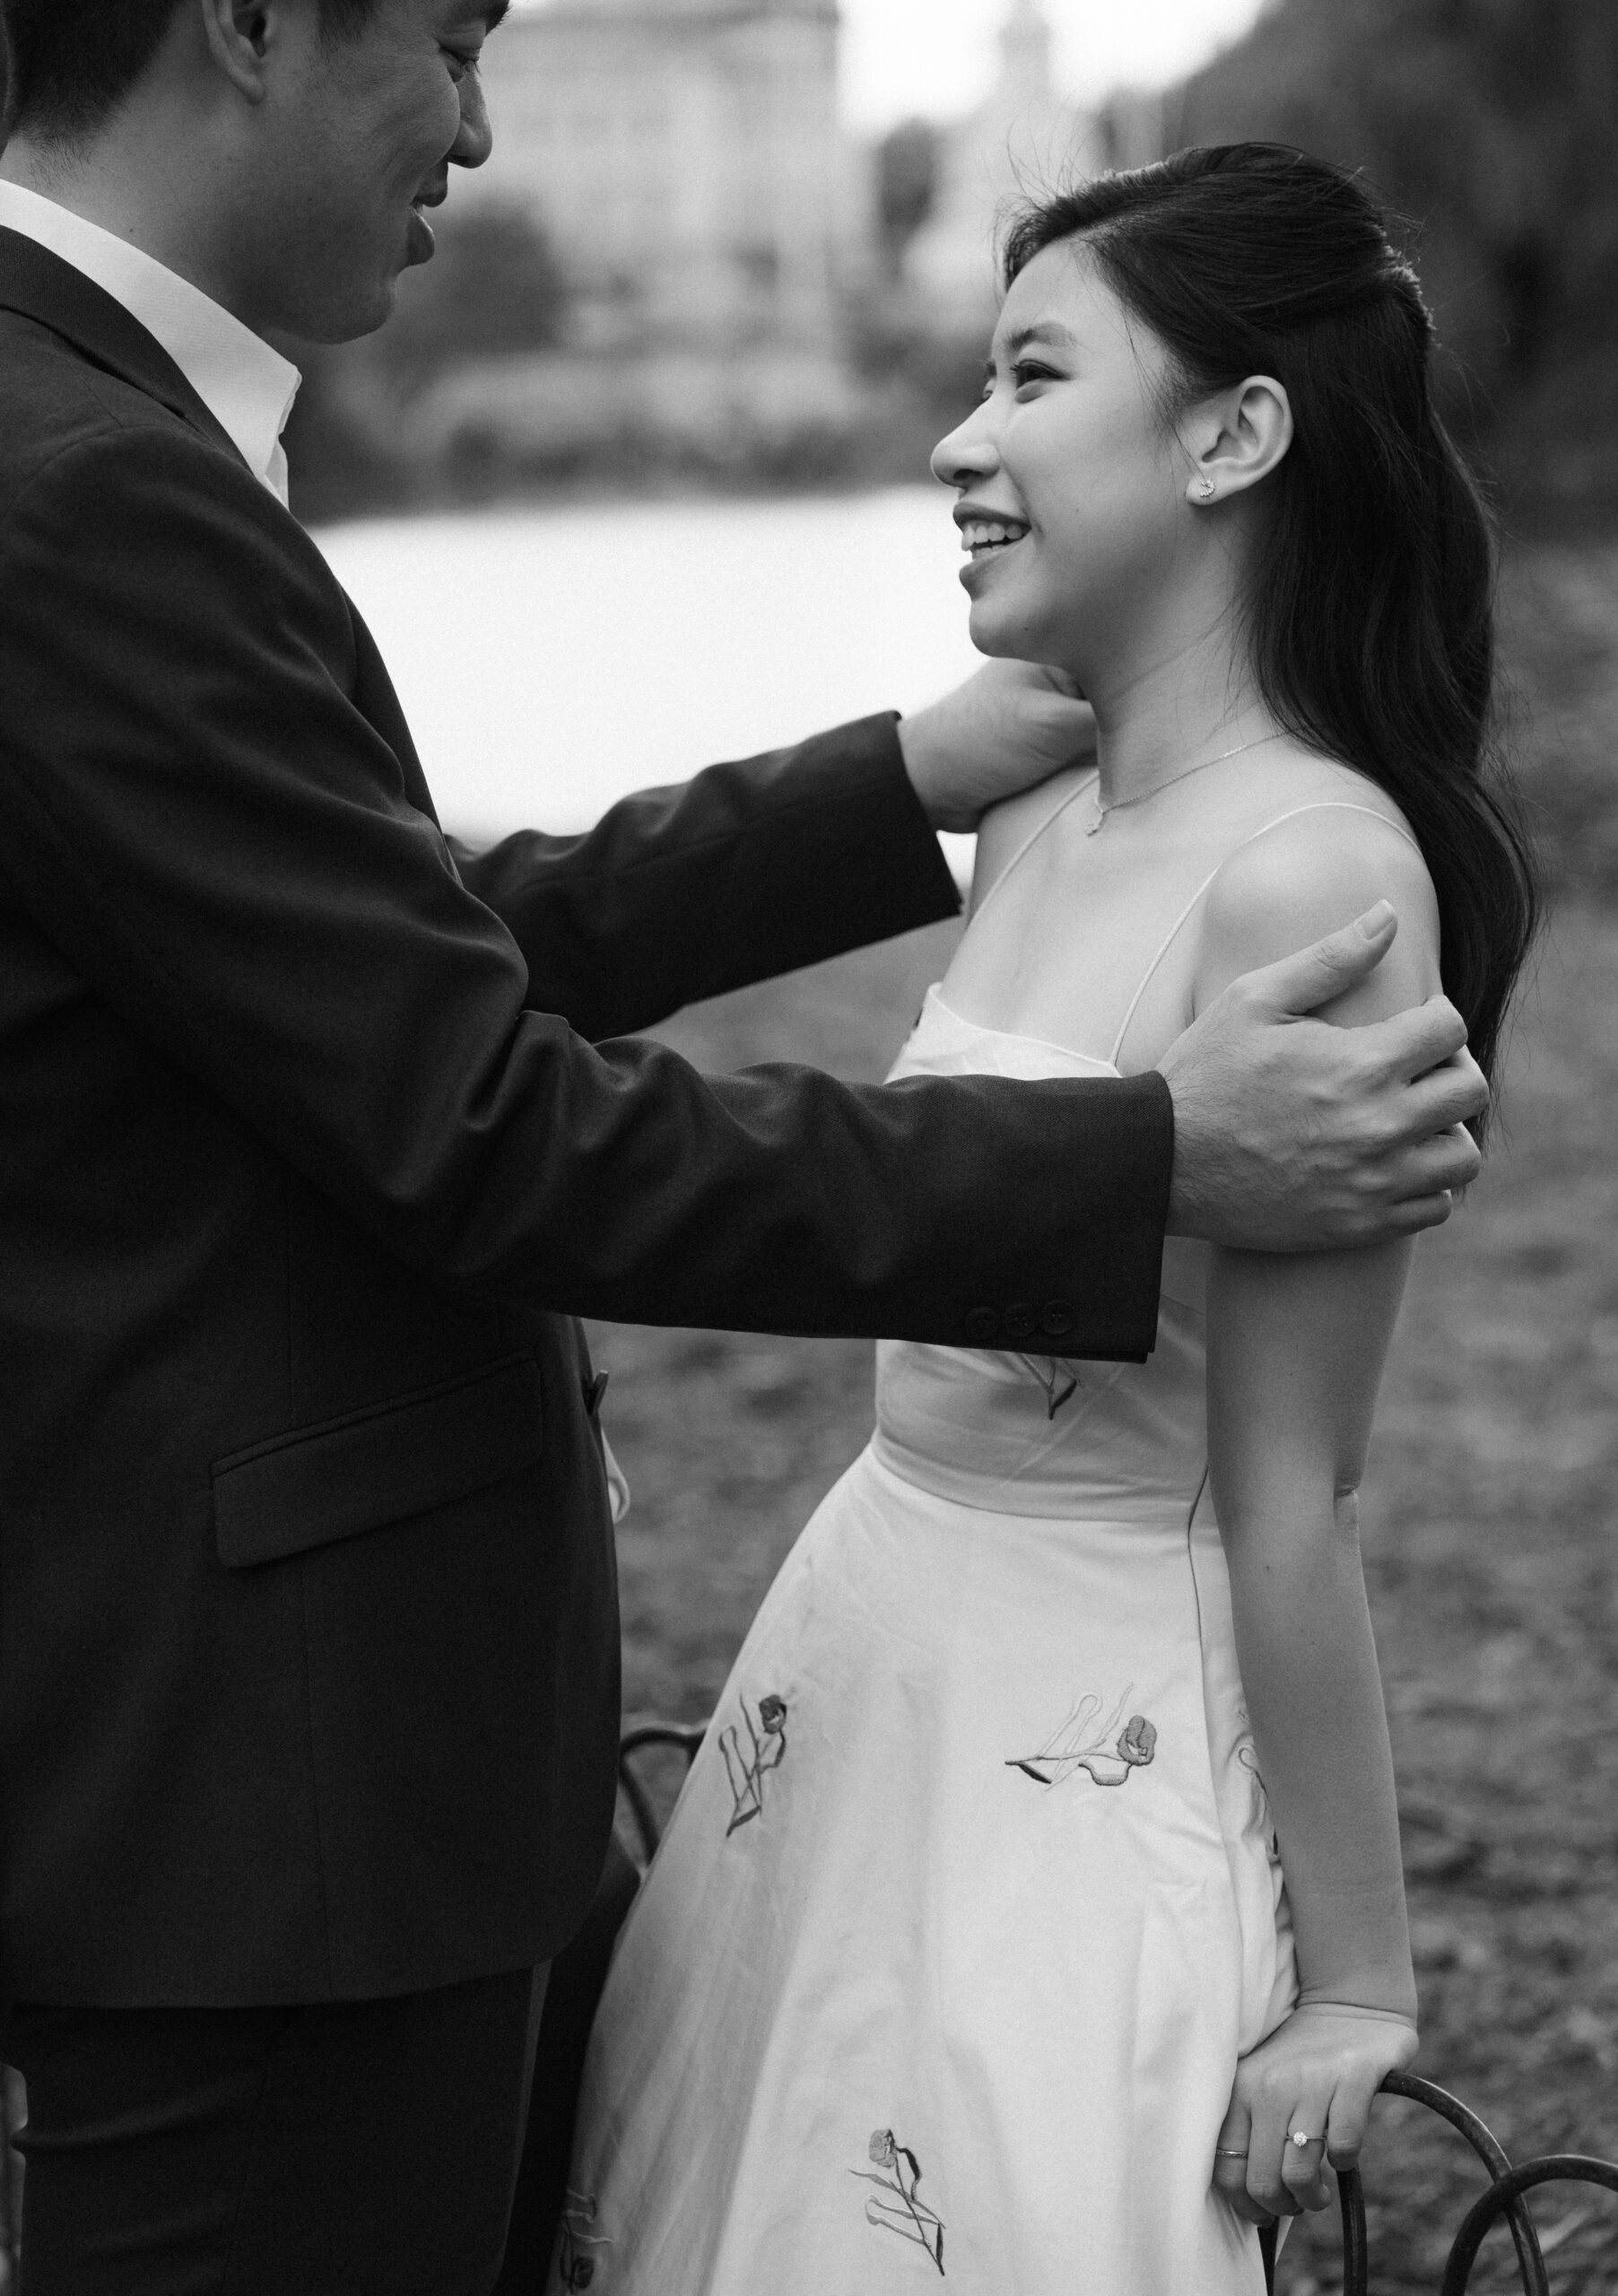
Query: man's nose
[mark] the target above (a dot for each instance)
(475, 139)
(968, 453)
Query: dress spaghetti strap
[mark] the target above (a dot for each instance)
(1033, 837)
(1321, 805)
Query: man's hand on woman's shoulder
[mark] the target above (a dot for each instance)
(1009, 726)
(1291, 1134)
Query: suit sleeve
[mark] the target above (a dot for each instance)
(224, 850)
(746, 871)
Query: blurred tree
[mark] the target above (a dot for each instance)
(494, 286)
(1492, 125)
(341, 448)
(907, 183)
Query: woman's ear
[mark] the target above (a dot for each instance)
(1237, 438)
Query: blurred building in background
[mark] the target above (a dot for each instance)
(1025, 139)
(685, 163)
(686, 159)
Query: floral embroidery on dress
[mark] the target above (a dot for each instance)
(1109, 1752)
(748, 1766)
(1247, 1758)
(578, 2269)
(1058, 1378)
(895, 2207)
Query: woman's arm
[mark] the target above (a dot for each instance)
(1295, 1348)
(1295, 1353)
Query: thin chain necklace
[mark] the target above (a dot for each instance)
(1121, 805)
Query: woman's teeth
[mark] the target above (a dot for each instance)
(989, 533)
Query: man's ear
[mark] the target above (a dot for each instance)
(240, 35)
(1237, 438)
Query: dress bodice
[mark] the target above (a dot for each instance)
(1031, 1434)
(1005, 1431)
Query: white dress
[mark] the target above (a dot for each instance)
(970, 1902)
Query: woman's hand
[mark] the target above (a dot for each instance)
(1314, 2077)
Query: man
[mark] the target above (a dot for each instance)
(319, 1133)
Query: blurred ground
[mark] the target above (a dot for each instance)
(1489, 1525)
(1560, 628)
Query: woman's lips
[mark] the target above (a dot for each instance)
(986, 537)
(986, 541)
(419, 241)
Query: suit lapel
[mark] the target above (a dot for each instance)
(41, 286)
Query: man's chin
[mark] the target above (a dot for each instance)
(348, 321)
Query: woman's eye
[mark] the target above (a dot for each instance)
(1030, 370)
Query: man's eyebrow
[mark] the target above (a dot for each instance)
(495, 13)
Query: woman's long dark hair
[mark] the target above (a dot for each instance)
(1371, 607)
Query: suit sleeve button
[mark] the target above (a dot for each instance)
(1058, 1319)
(1021, 1321)
(982, 1327)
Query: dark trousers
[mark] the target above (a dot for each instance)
(374, 2148)
(349, 2149)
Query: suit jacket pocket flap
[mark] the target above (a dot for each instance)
(376, 1466)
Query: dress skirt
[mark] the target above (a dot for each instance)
(966, 1912)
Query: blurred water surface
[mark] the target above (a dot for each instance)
(550, 660)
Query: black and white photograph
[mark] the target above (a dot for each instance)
(809, 1147)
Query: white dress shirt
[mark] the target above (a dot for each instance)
(246, 387)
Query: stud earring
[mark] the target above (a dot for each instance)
(1206, 489)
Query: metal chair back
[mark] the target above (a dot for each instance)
(1505, 2196)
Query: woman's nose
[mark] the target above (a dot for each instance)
(968, 452)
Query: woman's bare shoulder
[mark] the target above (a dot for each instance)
(1315, 869)
(1008, 828)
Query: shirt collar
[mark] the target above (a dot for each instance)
(247, 388)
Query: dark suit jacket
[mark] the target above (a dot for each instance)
(317, 1135)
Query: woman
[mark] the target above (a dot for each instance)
(1032, 1917)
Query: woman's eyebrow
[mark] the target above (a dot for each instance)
(1045, 331)
(1049, 330)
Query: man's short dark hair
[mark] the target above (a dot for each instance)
(70, 64)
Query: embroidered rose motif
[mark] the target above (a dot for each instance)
(1085, 1742)
(578, 2233)
(1138, 1744)
(895, 2206)
(747, 1766)
(1057, 1378)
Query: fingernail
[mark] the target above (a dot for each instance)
(1374, 919)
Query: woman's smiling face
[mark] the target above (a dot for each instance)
(1071, 485)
